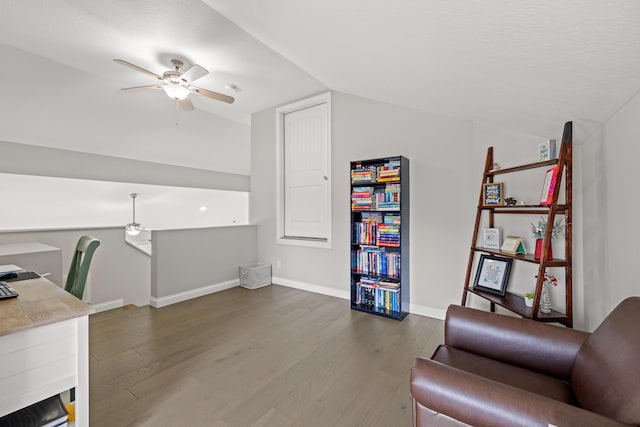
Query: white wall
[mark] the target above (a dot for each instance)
(447, 157)
(185, 261)
(117, 272)
(36, 202)
(621, 152)
(442, 198)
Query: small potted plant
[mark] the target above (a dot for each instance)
(528, 299)
(538, 231)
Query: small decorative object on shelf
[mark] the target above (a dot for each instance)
(495, 167)
(546, 196)
(547, 150)
(492, 194)
(538, 231)
(510, 201)
(528, 299)
(545, 298)
(491, 238)
(513, 246)
(492, 274)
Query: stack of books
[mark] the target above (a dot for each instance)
(362, 199)
(388, 235)
(390, 171)
(389, 200)
(364, 175)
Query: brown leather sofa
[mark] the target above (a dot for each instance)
(496, 370)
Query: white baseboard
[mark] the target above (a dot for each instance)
(318, 289)
(434, 313)
(109, 305)
(192, 293)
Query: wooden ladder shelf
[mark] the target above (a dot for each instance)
(510, 301)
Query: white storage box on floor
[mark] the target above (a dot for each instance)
(255, 275)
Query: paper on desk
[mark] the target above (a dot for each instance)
(9, 268)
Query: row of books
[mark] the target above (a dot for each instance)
(377, 229)
(372, 294)
(390, 198)
(375, 260)
(381, 199)
(387, 172)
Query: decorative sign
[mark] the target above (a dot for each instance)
(492, 194)
(491, 238)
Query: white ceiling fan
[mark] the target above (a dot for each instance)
(177, 83)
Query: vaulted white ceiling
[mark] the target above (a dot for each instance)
(528, 66)
(525, 65)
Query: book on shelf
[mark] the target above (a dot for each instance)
(389, 199)
(513, 245)
(364, 174)
(390, 171)
(388, 235)
(372, 295)
(375, 260)
(549, 185)
(362, 198)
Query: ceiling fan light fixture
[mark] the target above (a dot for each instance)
(176, 91)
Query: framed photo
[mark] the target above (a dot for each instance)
(549, 185)
(492, 194)
(492, 274)
(491, 238)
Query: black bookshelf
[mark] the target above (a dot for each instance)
(380, 236)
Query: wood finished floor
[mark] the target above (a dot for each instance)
(273, 356)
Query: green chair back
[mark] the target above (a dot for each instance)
(77, 277)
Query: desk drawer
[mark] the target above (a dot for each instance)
(37, 363)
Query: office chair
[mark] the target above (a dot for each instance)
(77, 277)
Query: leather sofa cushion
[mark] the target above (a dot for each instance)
(504, 373)
(606, 373)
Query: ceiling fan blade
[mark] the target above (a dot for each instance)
(194, 73)
(142, 87)
(213, 95)
(135, 67)
(184, 105)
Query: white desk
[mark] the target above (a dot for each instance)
(44, 347)
(34, 256)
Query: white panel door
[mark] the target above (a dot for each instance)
(305, 174)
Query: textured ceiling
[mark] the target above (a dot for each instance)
(524, 65)
(87, 35)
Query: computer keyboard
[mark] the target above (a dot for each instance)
(7, 291)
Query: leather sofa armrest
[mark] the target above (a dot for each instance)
(522, 342)
(482, 402)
